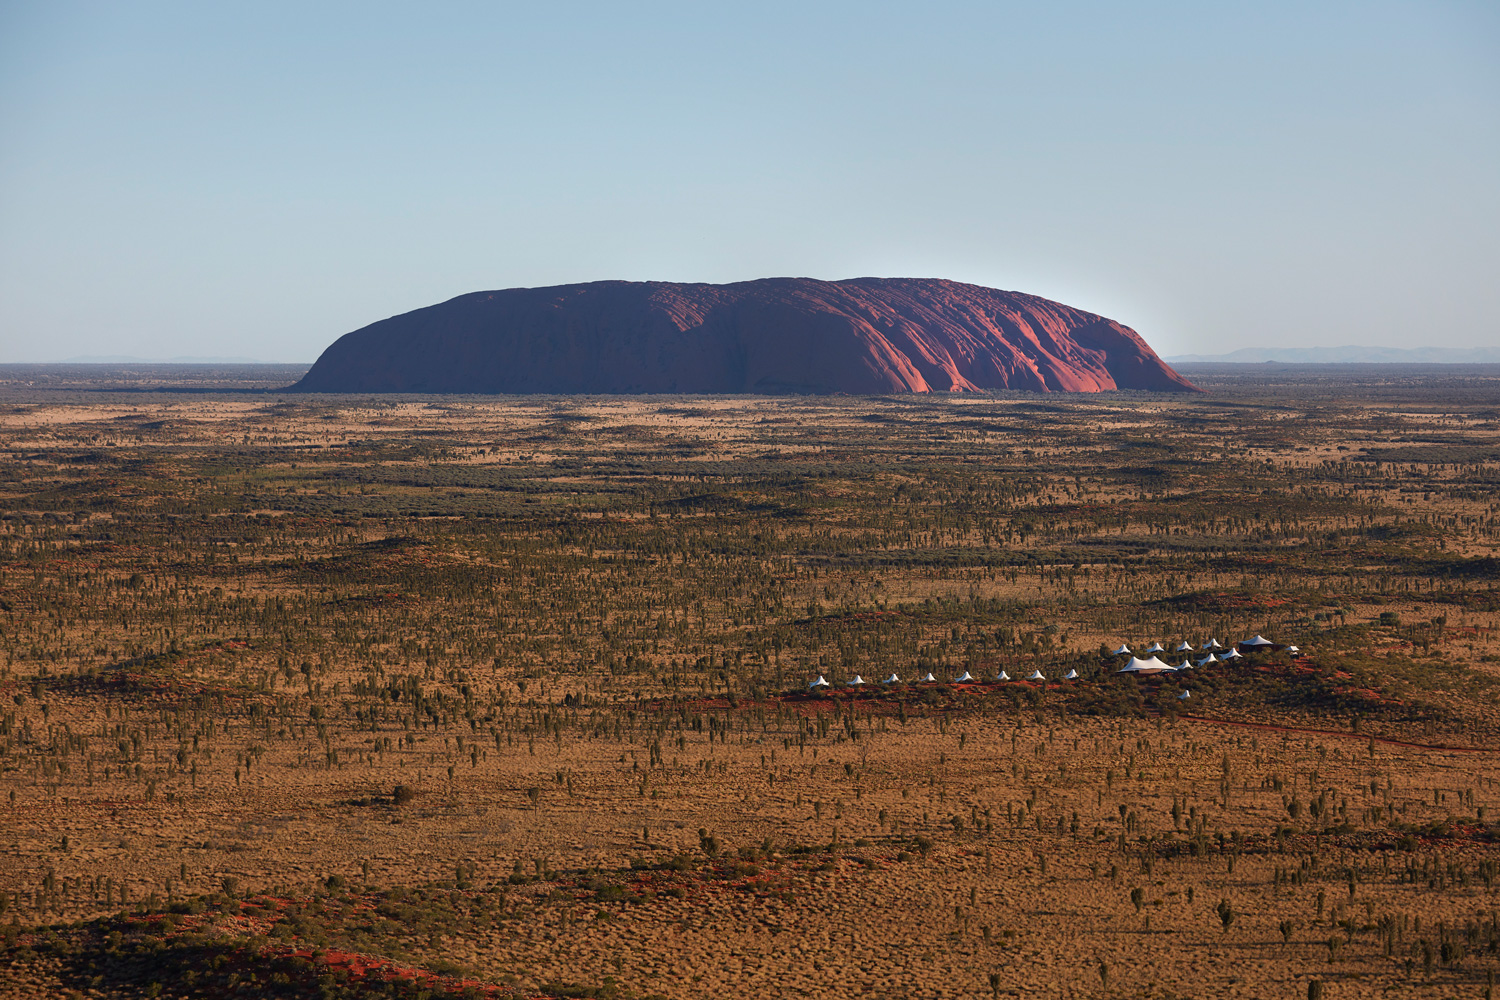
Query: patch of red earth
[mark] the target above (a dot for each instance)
(1369, 695)
(357, 965)
(363, 966)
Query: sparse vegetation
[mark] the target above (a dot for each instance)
(511, 694)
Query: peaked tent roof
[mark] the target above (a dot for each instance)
(927, 677)
(1124, 650)
(1036, 675)
(893, 679)
(821, 682)
(1002, 676)
(1259, 640)
(967, 678)
(858, 680)
(1140, 666)
(1071, 675)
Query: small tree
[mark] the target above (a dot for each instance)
(1226, 914)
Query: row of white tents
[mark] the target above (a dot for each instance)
(1213, 653)
(1036, 675)
(1155, 665)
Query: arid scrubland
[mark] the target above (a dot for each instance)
(449, 696)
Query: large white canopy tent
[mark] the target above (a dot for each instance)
(1140, 666)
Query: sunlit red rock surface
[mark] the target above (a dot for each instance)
(775, 335)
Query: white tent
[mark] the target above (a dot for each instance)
(1233, 654)
(1124, 650)
(1156, 647)
(858, 680)
(1002, 676)
(1210, 658)
(1140, 666)
(967, 678)
(1211, 644)
(821, 682)
(1184, 696)
(1036, 675)
(893, 679)
(1186, 665)
(1293, 651)
(928, 677)
(1259, 642)
(1186, 647)
(1071, 675)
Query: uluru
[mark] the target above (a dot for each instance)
(773, 335)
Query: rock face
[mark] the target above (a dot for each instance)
(775, 335)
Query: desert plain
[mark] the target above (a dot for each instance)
(400, 696)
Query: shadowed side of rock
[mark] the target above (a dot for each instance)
(775, 335)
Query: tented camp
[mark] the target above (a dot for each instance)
(1210, 658)
(1124, 650)
(1156, 647)
(1071, 675)
(1186, 647)
(1036, 675)
(967, 678)
(1211, 644)
(1140, 666)
(893, 679)
(821, 682)
(927, 678)
(858, 680)
(1002, 676)
(1233, 654)
(1184, 696)
(1293, 651)
(1259, 642)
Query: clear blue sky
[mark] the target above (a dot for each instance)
(258, 178)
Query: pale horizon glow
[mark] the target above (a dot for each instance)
(257, 180)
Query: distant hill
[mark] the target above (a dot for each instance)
(1349, 355)
(127, 359)
(774, 335)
